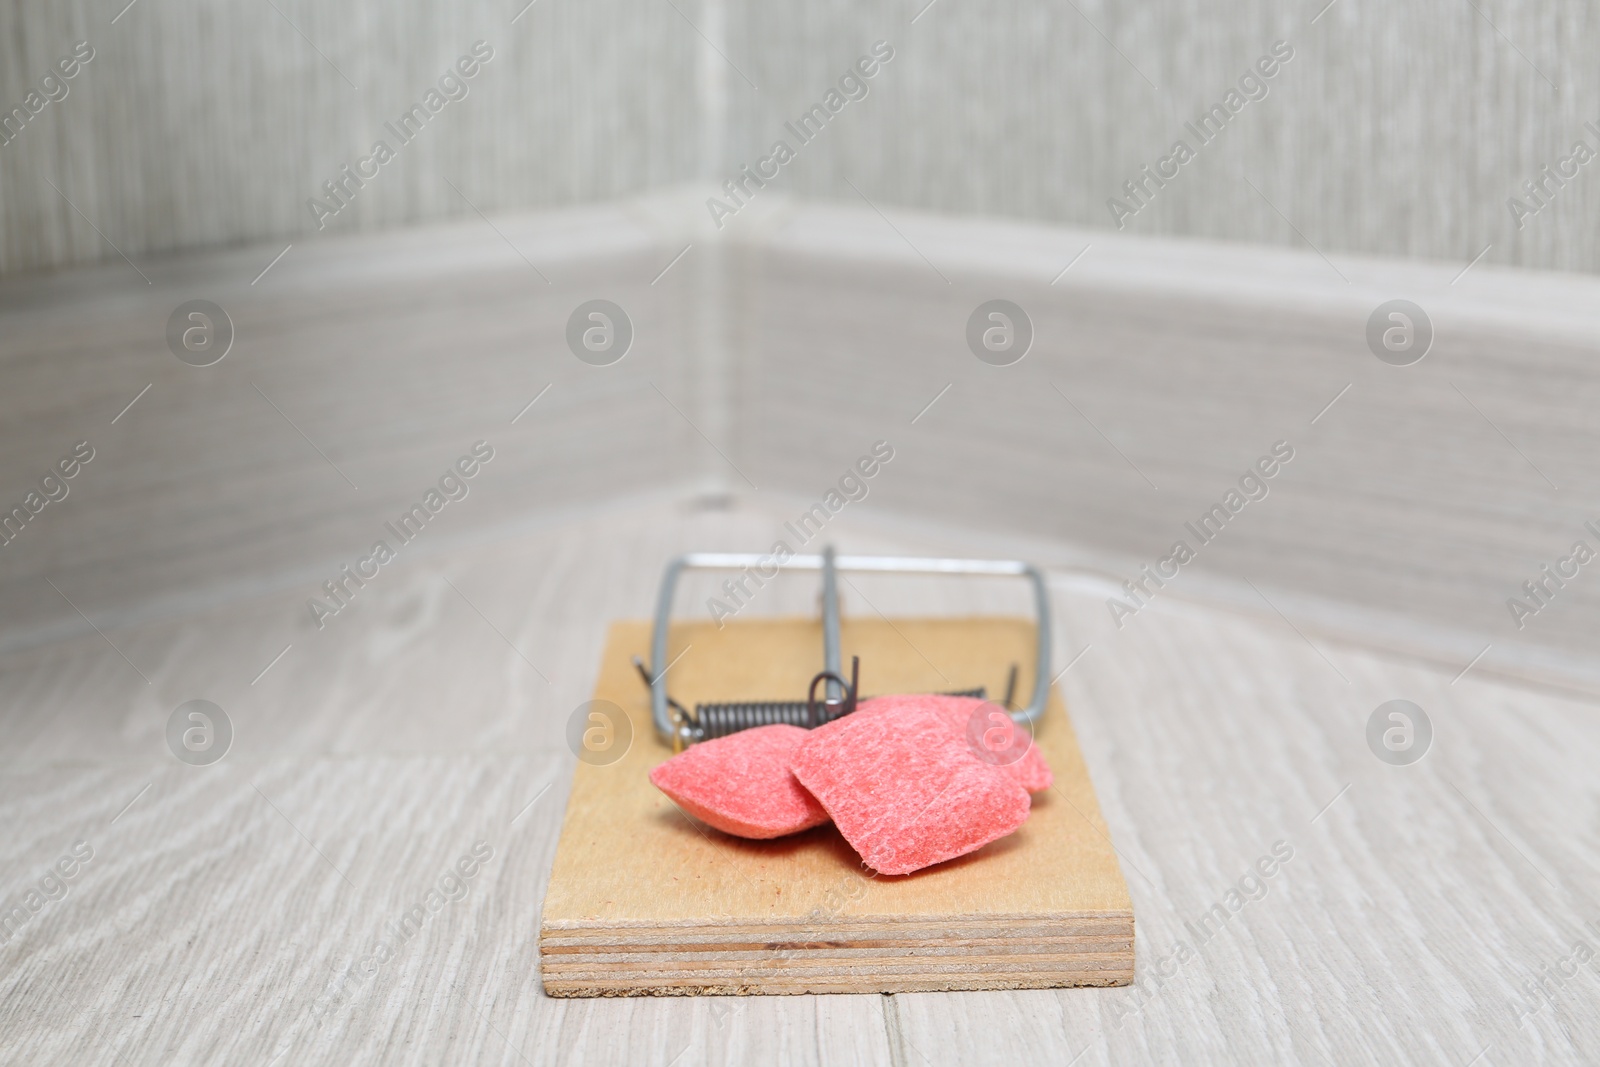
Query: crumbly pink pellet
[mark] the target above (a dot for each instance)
(741, 784)
(904, 789)
(1031, 770)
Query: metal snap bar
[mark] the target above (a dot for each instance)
(676, 727)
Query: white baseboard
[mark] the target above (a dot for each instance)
(770, 353)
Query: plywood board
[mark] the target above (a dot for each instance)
(645, 900)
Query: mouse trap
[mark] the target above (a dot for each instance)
(644, 900)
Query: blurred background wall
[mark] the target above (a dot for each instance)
(828, 311)
(1394, 129)
(202, 123)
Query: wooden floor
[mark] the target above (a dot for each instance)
(222, 904)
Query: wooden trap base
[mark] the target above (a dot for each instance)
(644, 900)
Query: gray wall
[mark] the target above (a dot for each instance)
(201, 123)
(1398, 129)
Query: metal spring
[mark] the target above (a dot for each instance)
(720, 720)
